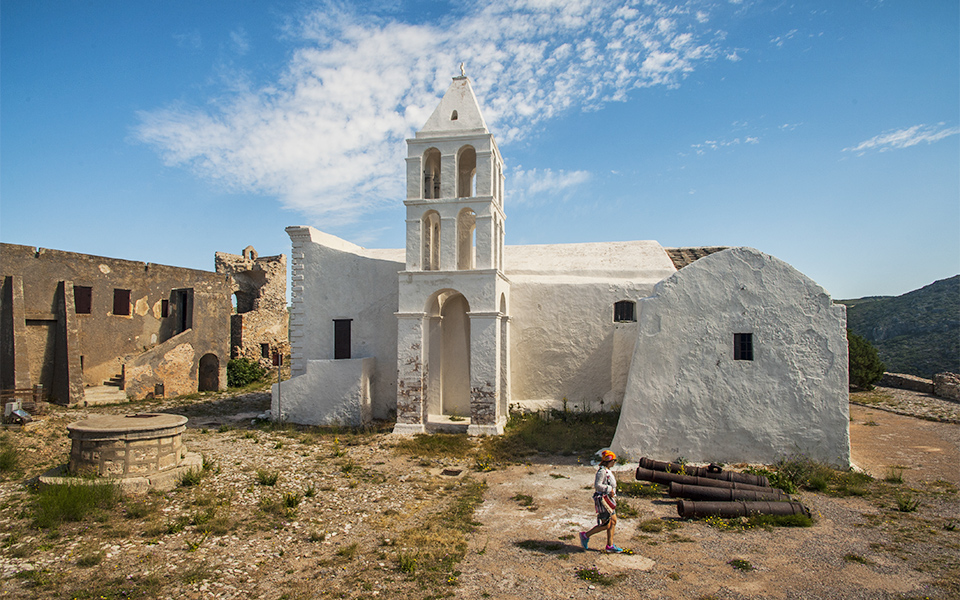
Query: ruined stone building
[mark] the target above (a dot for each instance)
(258, 326)
(95, 329)
(723, 354)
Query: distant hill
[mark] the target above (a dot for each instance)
(917, 333)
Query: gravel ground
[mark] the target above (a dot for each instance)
(365, 511)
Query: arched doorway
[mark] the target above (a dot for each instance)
(208, 379)
(448, 355)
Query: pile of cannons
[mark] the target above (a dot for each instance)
(711, 491)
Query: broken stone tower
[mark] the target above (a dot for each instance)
(258, 326)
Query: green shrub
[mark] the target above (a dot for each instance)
(242, 371)
(865, 366)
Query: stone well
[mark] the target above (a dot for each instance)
(141, 450)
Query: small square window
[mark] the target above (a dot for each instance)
(743, 346)
(265, 350)
(83, 299)
(624, 312)
(121, 302)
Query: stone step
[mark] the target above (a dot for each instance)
(103, 394)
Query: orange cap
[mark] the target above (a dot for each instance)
(607, 455)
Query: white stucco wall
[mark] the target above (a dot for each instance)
(686, 396)
(334, 279)
(331, 392)
(564, 343)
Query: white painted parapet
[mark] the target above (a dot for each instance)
(331, 392)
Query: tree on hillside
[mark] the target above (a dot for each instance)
(865, 366)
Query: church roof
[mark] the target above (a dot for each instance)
(457, 113)
(682, 257)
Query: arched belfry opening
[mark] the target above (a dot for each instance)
(431, 174)
(430, 241)
(448, 354)
(466, 172)
(466, 239)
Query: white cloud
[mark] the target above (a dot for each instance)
(543, 184)
(702, 147)
(904, 138)
(327, 136)
(240, 41)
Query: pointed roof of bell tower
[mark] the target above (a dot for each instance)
(458, 112)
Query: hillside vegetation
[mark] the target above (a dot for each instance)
(917, 333)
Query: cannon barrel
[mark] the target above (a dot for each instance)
(702, 492)
(712, 471)
(691, 509)
(669, 467)
(667, 478)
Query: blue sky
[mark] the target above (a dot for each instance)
(825, 133)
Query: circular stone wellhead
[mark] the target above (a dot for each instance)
(137, 445)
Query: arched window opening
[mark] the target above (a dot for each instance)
(625, 311)
(466, 236)
(431, 174)
(453, 117)
(430, 241)
(466, 172)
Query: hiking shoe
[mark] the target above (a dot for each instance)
(614, 549)
(584, 539)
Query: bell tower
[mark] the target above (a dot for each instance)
(452, 342)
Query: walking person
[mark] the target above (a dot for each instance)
(605, 502)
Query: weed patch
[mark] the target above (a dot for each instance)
(56, 504)
(441, 543)
(906, 502)
(567, 433)
(189, 478)
(525, 501)
(592, 575)
(741, 564)
(437, 445)
(638, 489)
(9, 457)
(268, 478)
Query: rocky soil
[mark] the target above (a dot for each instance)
(368, 521)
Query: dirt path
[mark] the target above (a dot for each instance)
(924, 450)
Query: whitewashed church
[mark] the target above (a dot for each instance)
(714, 354)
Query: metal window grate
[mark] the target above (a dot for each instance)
(743, 346)
(624, 312)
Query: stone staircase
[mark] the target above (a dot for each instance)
(108, 393)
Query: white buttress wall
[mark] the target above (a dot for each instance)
(687, 396)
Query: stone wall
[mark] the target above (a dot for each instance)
(907, 382)
(947, 385)
(72, 321)
(259, 325)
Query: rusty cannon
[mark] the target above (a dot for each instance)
(668, 478)
(717, 494)
(692, 509)
(712, 471)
